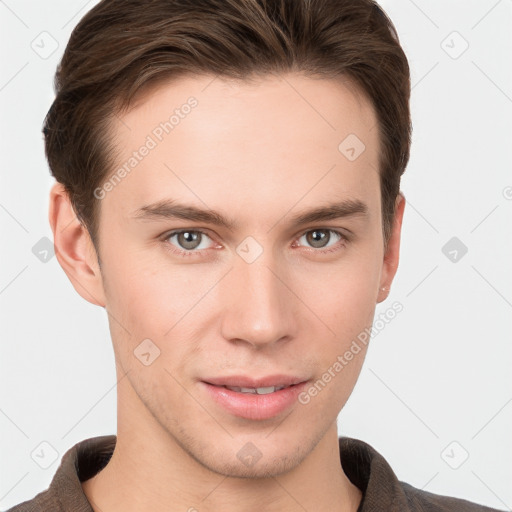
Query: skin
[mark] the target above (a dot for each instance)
(258, 153)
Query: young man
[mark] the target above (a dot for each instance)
(227, 189)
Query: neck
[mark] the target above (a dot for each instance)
(151, 469)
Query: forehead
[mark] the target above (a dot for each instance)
(209, 139)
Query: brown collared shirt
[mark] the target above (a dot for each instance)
(363, 465)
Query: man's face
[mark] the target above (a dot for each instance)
(267, 294)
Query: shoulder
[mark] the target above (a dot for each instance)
(79, 463)
(368, 470)
(42, 502)
(423, 501)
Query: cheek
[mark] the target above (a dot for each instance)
(345, 296)
(143, 288)
(148, 298)
(347, 308)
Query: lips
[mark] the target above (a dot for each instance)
(253, 383)
(254, 398)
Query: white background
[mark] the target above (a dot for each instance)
(438, 373)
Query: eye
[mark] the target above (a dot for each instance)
(189, 240)
(321, 238)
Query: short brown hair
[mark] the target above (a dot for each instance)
(121, 47)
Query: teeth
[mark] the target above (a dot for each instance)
(258, 391)
(249, 390)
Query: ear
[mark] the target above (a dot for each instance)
(74, 248)
(392, 252)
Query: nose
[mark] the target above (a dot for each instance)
(260, 309)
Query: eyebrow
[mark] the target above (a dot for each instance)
(172, 209)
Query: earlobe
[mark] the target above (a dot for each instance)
(392, 252)
(73, 247)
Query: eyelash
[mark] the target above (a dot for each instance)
(194, 252)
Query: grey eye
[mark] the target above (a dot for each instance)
(320, 238)
(189, 240)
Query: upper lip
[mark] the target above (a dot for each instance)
(243, 381)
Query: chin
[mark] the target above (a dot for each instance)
(262, 455)
(269, 468)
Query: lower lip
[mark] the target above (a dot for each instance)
(253, 406)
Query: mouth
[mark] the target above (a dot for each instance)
(254, 385)
(256, 391)
(255, 399)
